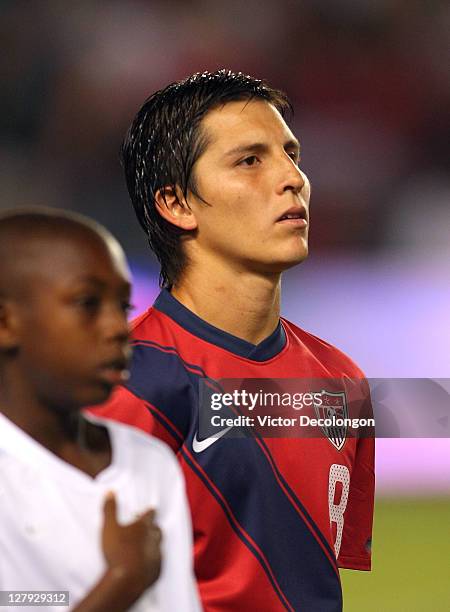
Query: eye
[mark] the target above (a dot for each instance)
(294, 155)
(251, 160)
(88, 303)
(126, 307)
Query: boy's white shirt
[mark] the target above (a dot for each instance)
(51, 515)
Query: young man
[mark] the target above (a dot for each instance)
(214, 175)
(80, 498)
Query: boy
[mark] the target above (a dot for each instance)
(80, 498)
(213, 172)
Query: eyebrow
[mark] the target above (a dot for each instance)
(99, 284)
(260, 147)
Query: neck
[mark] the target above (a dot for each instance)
(67, 435)
(48, 427)
(242, 303)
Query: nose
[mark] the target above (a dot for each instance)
(291, 177)
(115, 324)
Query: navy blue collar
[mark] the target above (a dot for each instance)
(266, 349)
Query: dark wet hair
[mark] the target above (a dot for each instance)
(164, 142)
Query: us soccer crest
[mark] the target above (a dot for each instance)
(333, 410)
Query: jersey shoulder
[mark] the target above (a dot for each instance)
(140, 323)
(322, 350)
(160, 330)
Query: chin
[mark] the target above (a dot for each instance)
(278, 261)
(293, 259)
(100, 395)
(277, 266)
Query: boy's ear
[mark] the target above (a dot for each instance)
(173, 207)
(9, 337)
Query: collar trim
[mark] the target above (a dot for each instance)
(268, 348)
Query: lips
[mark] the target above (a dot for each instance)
(115, 372)
(296, 215)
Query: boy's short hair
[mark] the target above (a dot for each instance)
(164, 142)
(22, 227)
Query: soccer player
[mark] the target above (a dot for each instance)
(215, 178)
(83, 501)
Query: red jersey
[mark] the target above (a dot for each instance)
(269, 514)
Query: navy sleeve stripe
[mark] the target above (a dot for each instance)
(170, 349)
(160, 378)
(243, 536)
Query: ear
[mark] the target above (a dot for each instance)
(173, 207)
(9, 337)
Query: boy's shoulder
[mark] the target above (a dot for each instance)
(134, 443)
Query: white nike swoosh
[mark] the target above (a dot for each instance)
(198, 446)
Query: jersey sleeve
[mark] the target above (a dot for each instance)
(355, 551)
